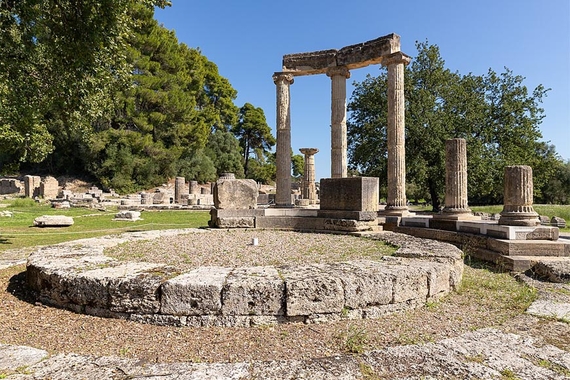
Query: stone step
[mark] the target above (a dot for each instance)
(530, 247)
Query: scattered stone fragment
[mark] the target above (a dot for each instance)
(128, 215)
(53, 221)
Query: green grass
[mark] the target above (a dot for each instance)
(18, 231)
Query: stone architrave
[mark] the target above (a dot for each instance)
(235, 194)
(517, 208)
(179, 189)
(283, 149)
(338, 75)
(309, 189)
(32, 186)
(396, 201)
(456, 179)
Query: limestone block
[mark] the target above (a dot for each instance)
(49, 188)
(365, 283)
(90, 289)
(134, 287)
(128, 215)
(253, 291)
(32, 186)
(235, 194)
(13, 357)
(349, 225)
(53, 221)
(311, 289)
(351, 194)
(11, 186)
(558, 222)
(235, 222)
(194, 293)
(411, 283)
(60, 205)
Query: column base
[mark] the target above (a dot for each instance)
(395, 211)
(519, 219)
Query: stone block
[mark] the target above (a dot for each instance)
(253, 291)
(350, 194)
(349, 225)
(410, 283)
(49, 188)
(311, 290)
(235, 194)
(234, 222)
(53, 221)
(131, 216)
(558, 222)
(365, 283)
(134, 287)
(11, 186)
(355, 215)
(197, 292)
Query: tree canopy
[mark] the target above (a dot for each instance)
(495, 113)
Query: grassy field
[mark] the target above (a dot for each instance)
(17, 231)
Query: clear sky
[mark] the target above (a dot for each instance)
(247, 40)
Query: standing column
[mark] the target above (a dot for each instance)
(309, 189)
(283, 149)
(456, 178)
(517, 208)
(396, 200)
(338, 75)
(179, 184)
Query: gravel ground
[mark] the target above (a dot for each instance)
(485, 300)
(229, 248)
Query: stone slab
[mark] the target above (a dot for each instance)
(13, 357)
(53, 221)
(550, 309)
(235, 194)
(342, 214)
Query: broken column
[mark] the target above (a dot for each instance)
(194, 188)
(179, 189)
(396, 200)
(456, 179)
(338, 75)
(283, 149)
(309, 189)
(517, 208)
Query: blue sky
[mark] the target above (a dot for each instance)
(247, 39)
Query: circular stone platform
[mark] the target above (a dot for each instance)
(79, 277)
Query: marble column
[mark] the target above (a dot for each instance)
(517, 208)
(179, 184)
(193, 187)
(283, 149)
(396, 201)
(309, 189)
(456, 178)
(338, 75)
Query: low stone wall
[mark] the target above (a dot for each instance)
(79, 277)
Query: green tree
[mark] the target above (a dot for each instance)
(61, 60)
(495, 114)
(297, 165)
(223, 149)
(253, 133)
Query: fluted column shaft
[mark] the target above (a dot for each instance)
(396, 201)
(517, 208)
(456, 177)
(309, 190)
(283, 149)
(338, 75)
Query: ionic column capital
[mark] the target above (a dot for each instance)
(396, 58)
(283, 78)
(338, 70)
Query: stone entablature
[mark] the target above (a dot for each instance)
(353, 56)
(79, 277)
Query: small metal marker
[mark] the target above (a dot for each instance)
(254, 241)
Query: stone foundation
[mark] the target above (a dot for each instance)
(80, 278)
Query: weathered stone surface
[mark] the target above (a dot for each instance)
(557, 221)
(53, 221)
(128, 215)
(518, 210)
(237, 194)
(349, 225)
(11, 186)
(197, 292)
(553, 270)
(13, 357)
(234, 222)
(32, 186)
(366, 283)
(550, 309)
(350, 194)
(310, 289)
(254, 291)
(49, 188)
